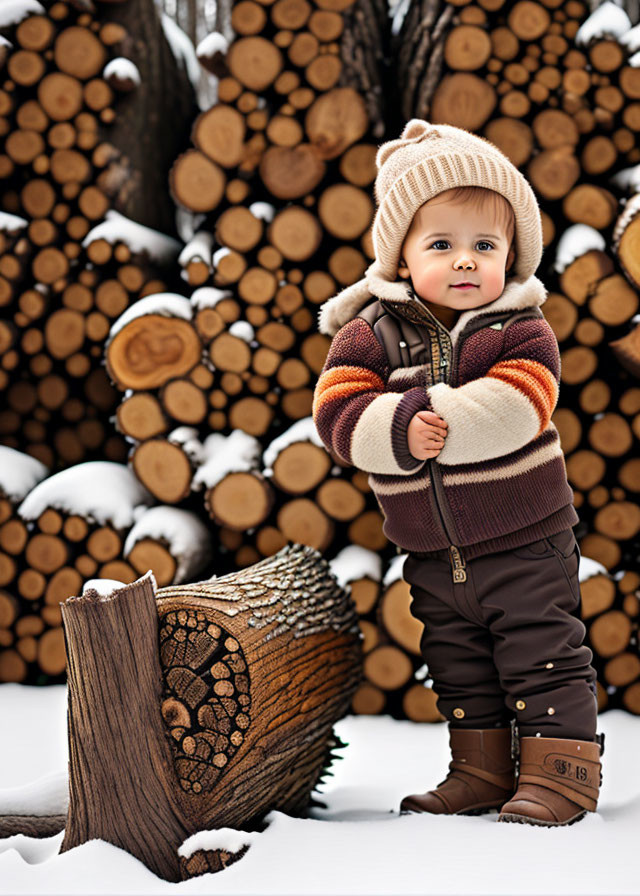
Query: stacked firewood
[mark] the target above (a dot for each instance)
(58, 532)
(611, 613)
(64, 85)
(279, 176)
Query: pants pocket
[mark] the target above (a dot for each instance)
(563, 542)
(566, 548)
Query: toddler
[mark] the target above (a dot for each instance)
(440, 382)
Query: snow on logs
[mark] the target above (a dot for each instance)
(280, 171)
(63, 280)
(212, 657)
(21, 630)
(94, 520)
(295, 483)
(599, 438)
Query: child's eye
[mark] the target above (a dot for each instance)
(446, 243)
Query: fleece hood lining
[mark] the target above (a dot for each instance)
(339, 310)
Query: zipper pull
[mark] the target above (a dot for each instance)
(458, 566)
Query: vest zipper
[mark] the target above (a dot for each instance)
(456, 558)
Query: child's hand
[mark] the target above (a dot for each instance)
(426, 434)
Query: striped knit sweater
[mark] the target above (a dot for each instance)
(500, 481)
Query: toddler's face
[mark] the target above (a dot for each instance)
(449, 243)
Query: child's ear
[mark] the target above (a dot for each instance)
(511, 257)
(403, 270)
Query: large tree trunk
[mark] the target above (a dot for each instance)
(153, 123)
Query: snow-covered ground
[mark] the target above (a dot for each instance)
(358, 844)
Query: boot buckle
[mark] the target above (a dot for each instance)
(515, 740)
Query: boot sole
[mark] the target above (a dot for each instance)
(538, 822)
(480, 811)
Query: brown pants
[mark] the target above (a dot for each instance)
(508, 642)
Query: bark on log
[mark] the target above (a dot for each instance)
(252, 672)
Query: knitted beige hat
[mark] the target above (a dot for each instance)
(428, 159)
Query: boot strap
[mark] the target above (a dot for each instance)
(580, 773)
(504, 780)
(576, 796)
(577, 778)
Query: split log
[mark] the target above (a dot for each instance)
(218, 687)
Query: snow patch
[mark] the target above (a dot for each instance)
(242, 329)
(168, 304)
(104, 587)
(355, 562)
(100, 491)
(608, 20)
(19, 473)
(123, 69)
(631, 39)
(397, 13)
(211, 44)
(219, 254)
(11, 223)
(48, 795)
(182, 49)
(187, 438)
(236, 453)
(264, 211)
(200, 246)
(209, 296)
(188, 538)
(394, 572)
(589, 568)
(627, 179)
(187, 222)
(14, 11)
(576, 241)
(118, 229)
(303, 430)
(228, 839)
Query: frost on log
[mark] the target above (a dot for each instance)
(204, 705)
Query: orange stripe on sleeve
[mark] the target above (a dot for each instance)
(343, 382)
(534, 380)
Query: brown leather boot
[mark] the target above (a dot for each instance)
(481, 775)
(558, 784)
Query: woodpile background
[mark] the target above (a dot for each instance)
(212, 342)
(91, 521)
(72, 149)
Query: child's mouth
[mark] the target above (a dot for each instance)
(465, 286)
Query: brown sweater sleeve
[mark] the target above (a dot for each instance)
(357, 416)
